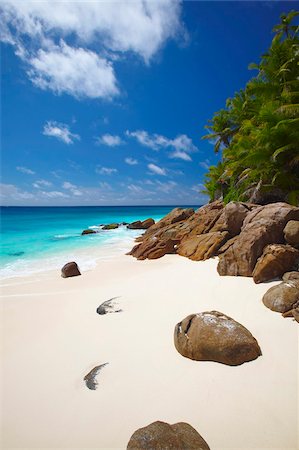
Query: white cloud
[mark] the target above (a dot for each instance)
(166, 187)
(131, 161)
(11, 193)
(72, 188)
(25, 170)
(110, 140)
(156, 169)
(54, 194)
(181, 146)
(205, 164)
(60, 131)
(178, 154)
(101, 33)
(75, 71)
(41, 183)
(105, 170)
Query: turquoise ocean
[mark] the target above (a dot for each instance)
(35, 239)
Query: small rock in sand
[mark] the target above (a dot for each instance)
(90, 378)
(70, 270)
(109, 306)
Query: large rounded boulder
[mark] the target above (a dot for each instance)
(283, 297)
(213, 336)
(163, 436)
(291, 233)
(70, 269)
(276, 260)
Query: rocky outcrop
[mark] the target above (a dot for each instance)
(291, 233)
(70, 270)
(276, 260)
(153, 249)
(88, 231)
(91, 378)
(203, 246)
(283, 297)
(262, 226)
(138, 225)
(213, 336)
(109, 306)
(110, 226)
(163, 436)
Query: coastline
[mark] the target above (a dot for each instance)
(53, 337)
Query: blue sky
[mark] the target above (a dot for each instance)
(106, 103)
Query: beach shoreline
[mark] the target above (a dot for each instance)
(52, 337)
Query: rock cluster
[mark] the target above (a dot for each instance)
(241, 234)
(161, 436)
(213, 336)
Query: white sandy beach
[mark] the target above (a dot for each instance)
(52, 337)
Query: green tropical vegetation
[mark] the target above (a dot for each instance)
(257, 132)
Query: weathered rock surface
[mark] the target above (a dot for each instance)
(283, 297)
(291, 233)
(153, 249)
(109, 306)
(232, 218)
(274, 262)
(291, 276)
(110, 226)
(162, 436)
(203, 246)
(141, 225)
(90, 379)
(70, 270)
(213, 336)
(262, 226)
(88, 231)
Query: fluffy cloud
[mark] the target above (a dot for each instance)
(25, 170)
(105, 170)
(181, 146)
(42, 183)
(60, 131)
(72, 188)
(35, 29)
(156, 169)
(75, 71)
(9, 194)
(110, 140)
(131, 161)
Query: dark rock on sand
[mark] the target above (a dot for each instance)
(262, 226)
(70, 270)
(291, 233)
(88, 231)
(109, 306)
(283, 297)
(141, 225)
(90, 378)
(274, 262)
(213, 336)
(110, 226)
(163, 436)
